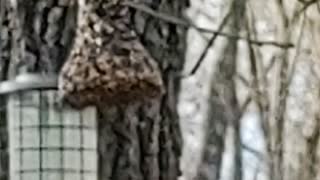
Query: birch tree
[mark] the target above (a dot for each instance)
(275, 84)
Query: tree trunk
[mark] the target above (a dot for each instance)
(135, 141)
(287, 87)
(213, 100)
(291, 115)
(5, 45)
(300, 129)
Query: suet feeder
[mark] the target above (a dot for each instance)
(48, 140)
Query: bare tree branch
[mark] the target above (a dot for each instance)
(253, 151)
(177, 21)
(307, 4)
(210, 43)
(291, 70)
(244, 81)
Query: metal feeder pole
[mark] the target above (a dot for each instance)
(48, 140)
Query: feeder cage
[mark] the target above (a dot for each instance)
(47, 139)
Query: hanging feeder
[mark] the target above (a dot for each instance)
(48, 140)
(108, 64)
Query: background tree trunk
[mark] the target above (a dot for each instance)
(214, 103)
(275, 87)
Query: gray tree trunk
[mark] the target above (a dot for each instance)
(136, 141)
(216, 109)
(290, 107)
(276, 84)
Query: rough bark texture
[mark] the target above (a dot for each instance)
(136, 141)
(42, 32)
(5, 44)
(149, 145)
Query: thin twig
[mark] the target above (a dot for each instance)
(291, 71)
(244, 81)
(253, 151)
(177, 21)
(210, 43)
(306, 5)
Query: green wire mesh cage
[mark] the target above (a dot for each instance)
(48, 140)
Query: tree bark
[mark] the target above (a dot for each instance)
(217, 105)
(152, 132)
(136, 141)
(5, 45)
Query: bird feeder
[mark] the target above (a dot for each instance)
(47, 139)
(108, 64)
